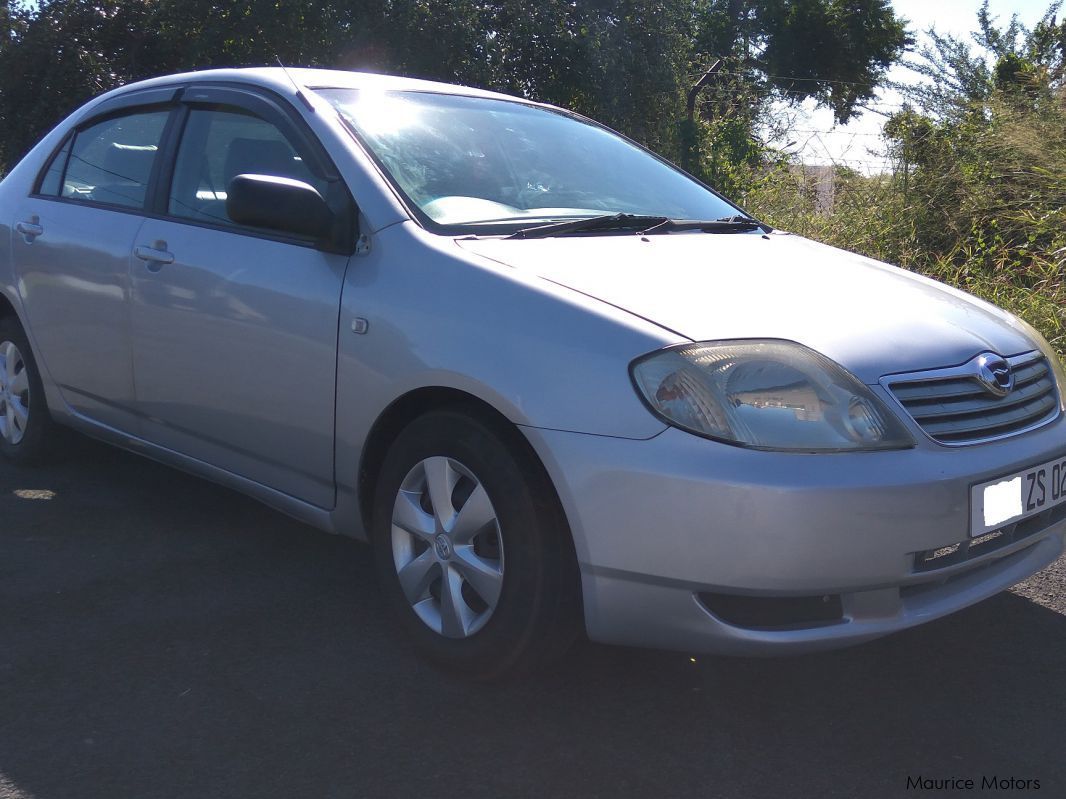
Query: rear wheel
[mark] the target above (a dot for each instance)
(26, 428)
(472, 549)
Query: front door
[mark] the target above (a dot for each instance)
(234, 329)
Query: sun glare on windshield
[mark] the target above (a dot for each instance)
(492, 164)
(381, 113)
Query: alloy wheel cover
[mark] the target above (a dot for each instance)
(447, 547)
(14, 394)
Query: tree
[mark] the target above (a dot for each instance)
(621, 61)
(983, 147)
(625, 62)
(13, 21)
(61, 54)
(960, 74)
(835, 51)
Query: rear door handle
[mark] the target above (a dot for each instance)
(156, 255)
(30, 228)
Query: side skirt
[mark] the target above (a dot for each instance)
(305, 512)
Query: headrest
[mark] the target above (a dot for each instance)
(129, 162)
(261, 157)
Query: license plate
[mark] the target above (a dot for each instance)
(1018, 496)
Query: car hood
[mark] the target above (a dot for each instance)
(872, 318)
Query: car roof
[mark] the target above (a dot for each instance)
(281, 81)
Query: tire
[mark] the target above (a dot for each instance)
(27, 432)
(512, 600)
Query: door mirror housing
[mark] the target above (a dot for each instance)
(277, 203)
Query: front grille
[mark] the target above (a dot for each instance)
(972, 548)
(953, 407)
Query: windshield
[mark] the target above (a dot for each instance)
(484, 164)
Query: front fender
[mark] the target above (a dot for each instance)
(436, 316)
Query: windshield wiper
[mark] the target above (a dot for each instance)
(726, 224)
(639, 223)
(590, 224)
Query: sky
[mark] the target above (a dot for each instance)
(816, 139)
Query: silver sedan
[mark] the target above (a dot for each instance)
(560, 386)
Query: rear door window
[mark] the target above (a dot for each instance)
(110, 161)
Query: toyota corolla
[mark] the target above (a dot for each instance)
(558, 384)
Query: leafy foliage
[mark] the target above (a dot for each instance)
(835, 51)
(625, 62)
(832, 51)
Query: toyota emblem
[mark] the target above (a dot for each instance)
(994, 374)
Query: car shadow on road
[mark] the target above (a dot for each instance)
(164, 637)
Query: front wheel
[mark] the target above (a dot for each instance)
(26, 429)
(472, 549)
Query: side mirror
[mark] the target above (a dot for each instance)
(277, 203)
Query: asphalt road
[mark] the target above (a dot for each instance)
(163, 637)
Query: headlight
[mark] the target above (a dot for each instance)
(765, 394)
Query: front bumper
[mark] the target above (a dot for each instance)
(658, 522)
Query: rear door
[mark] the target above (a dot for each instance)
(71, 250)
(235, 328)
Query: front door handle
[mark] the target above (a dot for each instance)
(30, 228)
(155, 256)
